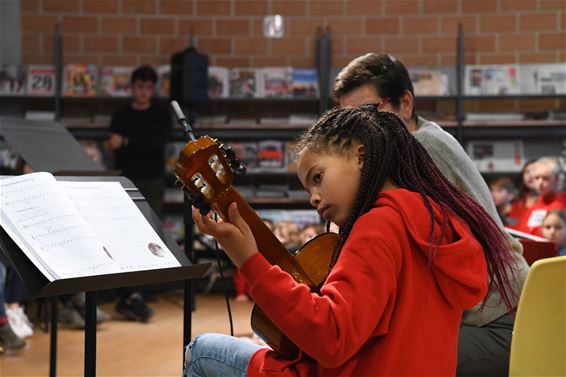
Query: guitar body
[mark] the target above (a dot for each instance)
(203, 172)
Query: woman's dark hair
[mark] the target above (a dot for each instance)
(385, 73)
(390, 151)
(144, 73)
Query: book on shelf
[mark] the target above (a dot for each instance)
(543, 78)
(246, 191)
(12, 79)
(40, 80)
(211, 120)
(274, 121)
(486, 117)
(271, 155)
(39, 115)
(497, 156)
(270, 191)
(290, 156)
(173, 195)
(276, 82)
(115, 81)
(80, 80)
(244, 83)
(305, 83)
(246, 153)
(218, 82)
(242, 122)
(302, 119)
(497, 79)
(74, 229)
(163, 86)
(428, 82)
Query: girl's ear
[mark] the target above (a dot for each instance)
(360, 151)
(406, 106)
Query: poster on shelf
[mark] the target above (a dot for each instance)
(498, 79)
(547, 79)
(163, 87)
(276, 81)
(244, 83)
(218, 83)
(80, 80)
(428, 82)
(497, 156)
(12, 80)
(115, 81)
(305, 83)
(41, 80)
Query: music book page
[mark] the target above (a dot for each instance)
(46, 219)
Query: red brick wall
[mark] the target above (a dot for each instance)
(419, 32)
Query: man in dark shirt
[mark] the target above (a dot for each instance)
(139, 132)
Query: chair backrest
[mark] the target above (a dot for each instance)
(538, 347)
(535, 250)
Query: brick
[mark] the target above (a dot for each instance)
(170, 45)
(32, 58)
(517, 6)
(61, 6)
(289, 45)
(176, 7)
(143, 45)
(215, 45)
(135, 7)
(289, 7)
(538, 22)
(31, 42)
(100, 6)
(551, 41)
(436, 7)
(232, 62)
(478, 6)
(201, 27)
(251, 46)
(29, 6)
(538, 103)
(384, 25)
(345, 26)
(250, 8)
(231, 27)
(80, 24)
(479, 43)
(157, 26)
(449, 24)
(356, 46)
(396, 45)
(506, 23)
(508, 58)
(126, 25)
(516, 42)
(302, 61)
(38, 23)
(337, 46)
(270, 61)
(417, 60)
(302, 26)
(82, 59)
(119, 60)
(326, 8)
(213, 8)
(552, 5)
(95, 43)
(418, 25)
(363, 7)
(537, 57)
(438, 44)
(402, 8)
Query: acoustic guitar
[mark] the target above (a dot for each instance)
(204, 171)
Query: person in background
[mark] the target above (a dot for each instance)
(503, 192)
(546, 180)
(526, 196)
(8, 338)
(554, 229)
(139, 132)
(485, 334)
(413, 252)
(310, 231)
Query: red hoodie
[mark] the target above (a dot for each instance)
(389, 306)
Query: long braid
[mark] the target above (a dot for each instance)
(392, 152)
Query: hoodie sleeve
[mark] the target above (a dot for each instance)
(355, 302)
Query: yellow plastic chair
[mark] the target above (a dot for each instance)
(539, 336)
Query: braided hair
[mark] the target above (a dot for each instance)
(391, 152)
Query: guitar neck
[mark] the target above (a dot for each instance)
(268, 245)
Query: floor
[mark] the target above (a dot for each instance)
(127, 348)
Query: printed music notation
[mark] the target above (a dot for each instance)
(74, 229)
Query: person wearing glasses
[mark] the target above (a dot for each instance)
(380, 79)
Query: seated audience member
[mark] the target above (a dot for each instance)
(502, 191)
(546, 173)
(554, 229)
(287, 232)
(310, 231)
(8, 338)
(526, 196)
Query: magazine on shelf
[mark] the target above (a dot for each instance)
(163, 86)
(12, 80)
(218, 82)
(80, 80)
(76, 229)
(244, 83)
(41, 80)
(428, 82)
(276, 81)
(305, 83)
(543, 78)
(115, 81)
(246, 153)
(497, 156)
(497, 79)
(271, 155)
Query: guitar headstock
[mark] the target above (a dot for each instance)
(203, 171)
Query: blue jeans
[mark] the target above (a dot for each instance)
(218, 355)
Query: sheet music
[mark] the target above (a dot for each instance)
(113, 216)
(37, 213)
